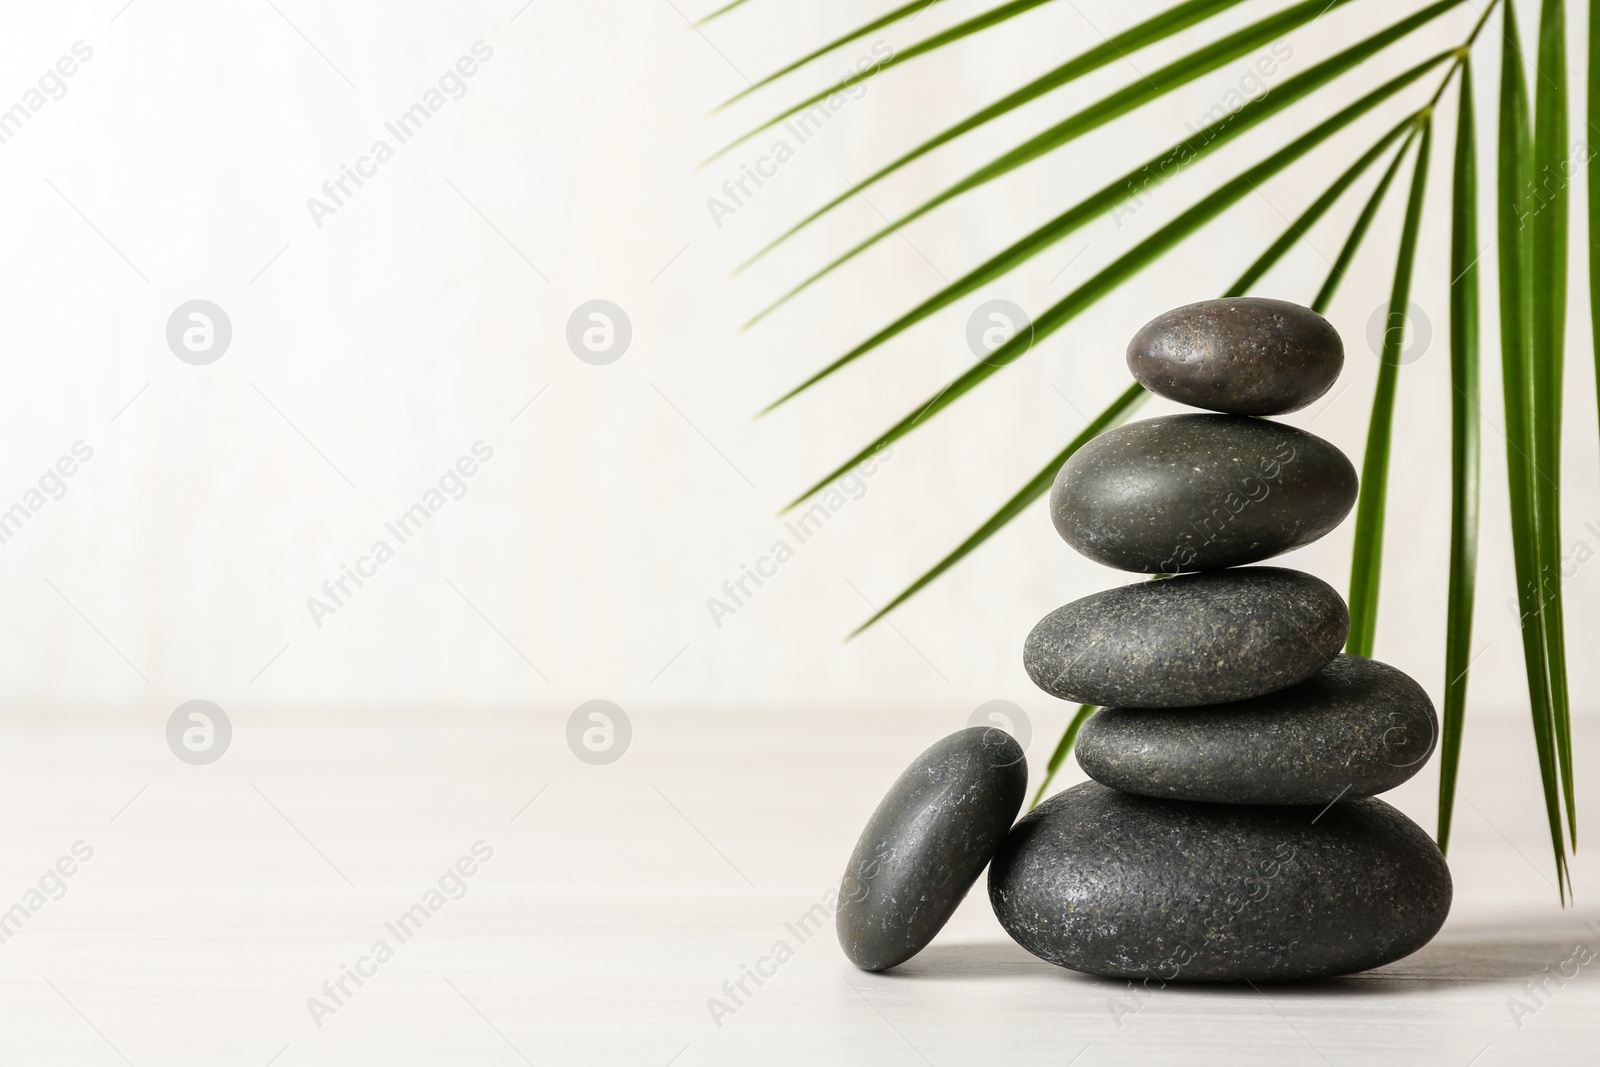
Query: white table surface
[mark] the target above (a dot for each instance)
(218, 900)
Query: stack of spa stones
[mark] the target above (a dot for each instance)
(1231, 830)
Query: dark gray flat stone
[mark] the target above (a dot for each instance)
(1132, 887)
(1195, 639)
(1243, 355)
(1199, 492)
(927, 843)
(1355, 728)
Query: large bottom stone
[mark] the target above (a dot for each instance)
(1134, 887)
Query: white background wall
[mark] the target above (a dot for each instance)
(372, 351)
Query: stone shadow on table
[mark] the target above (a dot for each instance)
(1480, 952)
(988, 959)
(1476, 953)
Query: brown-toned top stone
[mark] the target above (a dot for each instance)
(1241, 355)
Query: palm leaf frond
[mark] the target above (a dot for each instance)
(976, 24)
(1158, 170)
(1548, 277)
(1513, 170)
(1358, 229)
(1464, 450)
(1127, 403)
(1134, 183)
(1372, 503)
(1119, 46)
(1133, 261)
(718, 13)
(916, 7)
(1036, 487)
(1064, 746)
(1319, 207)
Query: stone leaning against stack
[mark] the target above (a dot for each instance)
(1231, 831)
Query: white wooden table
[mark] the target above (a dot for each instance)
(218, 900)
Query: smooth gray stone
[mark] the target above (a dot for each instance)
(1195, 639)
(927, 843)
(1132, 887)
(1199, 492)
(1243, 355)
(1355, 728)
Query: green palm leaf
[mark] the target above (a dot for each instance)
(1358, 230)
(1135, 394)
(1133, 261)
(1514, 167)
(1036, 487)
(1372, 502)
(1594, 187)
(1464, 450)
(1162, 81)
(1183, 154)
(964, 29)
(1548, 270)
(1059, 756)
(1146, 33)
(1319, 207)
(718, 13)
(1594, 214)
(916, 7)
